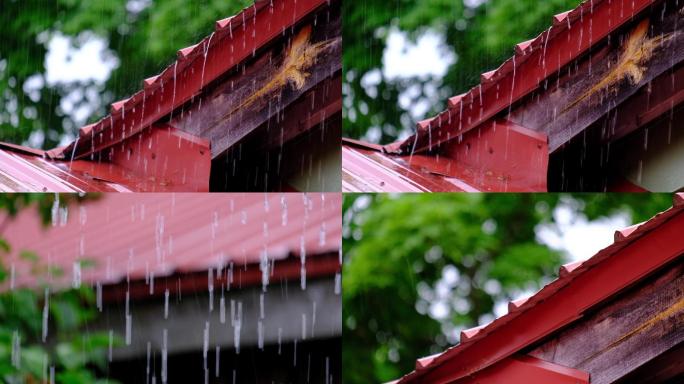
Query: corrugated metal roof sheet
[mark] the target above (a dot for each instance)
(499, 157)
(579, 287)
(21, 172)
(366, 170)
(136, 235)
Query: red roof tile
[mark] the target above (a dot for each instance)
(579, 287)
(135, 235)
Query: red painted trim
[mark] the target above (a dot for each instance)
(243, 276)
(522, 369)
(517, 156)
(620, 184)
(165, 158)
(361, 144)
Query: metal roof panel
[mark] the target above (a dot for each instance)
(133, 235)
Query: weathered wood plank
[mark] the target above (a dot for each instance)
(319, 104)
(659, 98)
(263, 89)
(616, 340)
(609, 77)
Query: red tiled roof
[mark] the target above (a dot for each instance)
(165, 234)
(578, 288)
(571, 35)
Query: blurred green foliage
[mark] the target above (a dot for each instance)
(397, 248)
(76, 356)
(482, 38)
(145, 43)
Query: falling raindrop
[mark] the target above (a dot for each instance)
(73, 152)
(211, 289)
(280, 338)
(13, 277)
(16, 350)
(264, 267)
(98, 295)
(283, 211)
(302, 277)
(338, 283)
(218, 359)
(76, 283)
(205, 345)
(46, 306)
(313, 319)
(328, 378)
(111, 343)
(236, 321)
(55, 210)
(164, 356)
(222, 309)
(129, 321)
(149, 353)
(166, 304)
(322, 235)
(303, 326)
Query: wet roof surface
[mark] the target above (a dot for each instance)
(572, 34)
(137, 234)
(234, 40)
(579, 286)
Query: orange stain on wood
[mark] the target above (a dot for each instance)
(632, 63)
(300, 57)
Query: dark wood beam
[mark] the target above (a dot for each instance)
(636, 328)
(588, 90)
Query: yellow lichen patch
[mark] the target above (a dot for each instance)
(631, 65)
(300, 57)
